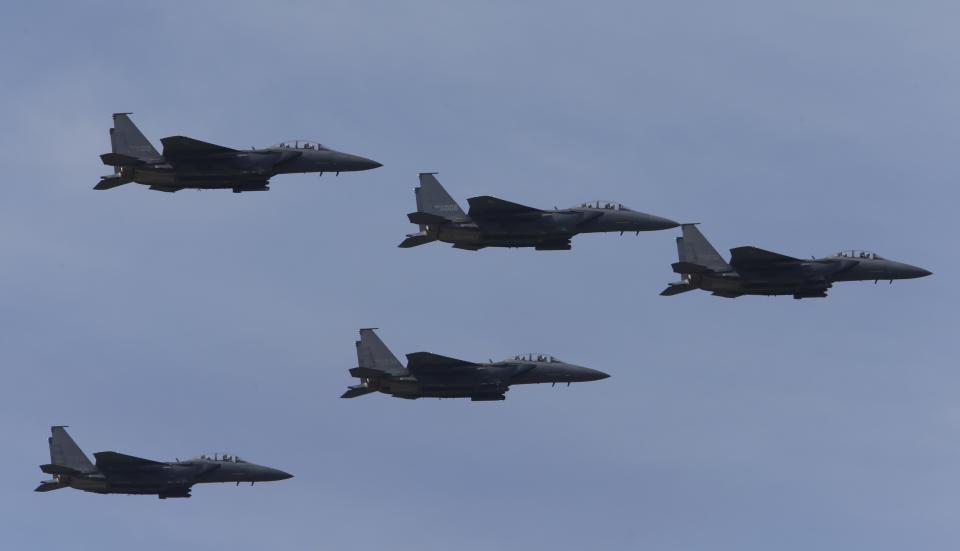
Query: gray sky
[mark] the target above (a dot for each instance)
(170, 325)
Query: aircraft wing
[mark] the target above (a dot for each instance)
(182, 146)
(113, 461)
(752, 257)
(486, 205)
(426, 361)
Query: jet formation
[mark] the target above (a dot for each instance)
(189, 163)
(493, 222)
(116, 473)
(754, 271)
(429, 375)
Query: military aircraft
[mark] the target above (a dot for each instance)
(116, 473)
(753, 271)
(493, 222)
(430, 375)
(190, 163)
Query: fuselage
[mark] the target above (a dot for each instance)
(806, 279)
(484, 381)
(172, 477)
(246, 170)
(537, 228)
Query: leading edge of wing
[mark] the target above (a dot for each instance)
(428, 360)
(486, 205)
(756, 257)
(114, 460)
(182, 146)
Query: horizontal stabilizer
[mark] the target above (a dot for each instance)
(689, 268)
(415, 240)
(676, 289)
(485, 205)
(754, 257)
(58, 469)
(110, 182)
(367, 372)
(355, 391)
(425, 218)
(182, 146)
(117, 461)
(118, 159)
(49, 486)
(428, 360)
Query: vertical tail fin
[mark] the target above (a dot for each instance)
(126, 139)
(693, 249)
(433, 199)
(66, 453)
(373, 354)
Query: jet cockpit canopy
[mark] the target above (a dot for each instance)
(225, 457)
(534, 357)
(856, 255)
(299, 144)
(602, 205)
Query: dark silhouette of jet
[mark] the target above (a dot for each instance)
(429, 375)
(189, 163)
(116, 473)
(493, 222)
(753, 271)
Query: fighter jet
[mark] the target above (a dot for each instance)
(116, 473)
(493, 222)
(190, 163)
(429, 375)
(753, 271)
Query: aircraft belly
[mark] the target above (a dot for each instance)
(444, 389)
(201, 180)
(458, 235)
(99, 486)
(400, 387)
(449, 393)
(765, 288)
(155, 177)
(721, 284)
(102, 486)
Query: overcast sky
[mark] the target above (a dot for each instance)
(169, 325)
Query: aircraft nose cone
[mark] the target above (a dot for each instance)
(906, 271)
(276, 474)
(652, 222)
(362, 163)
(586, 374)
